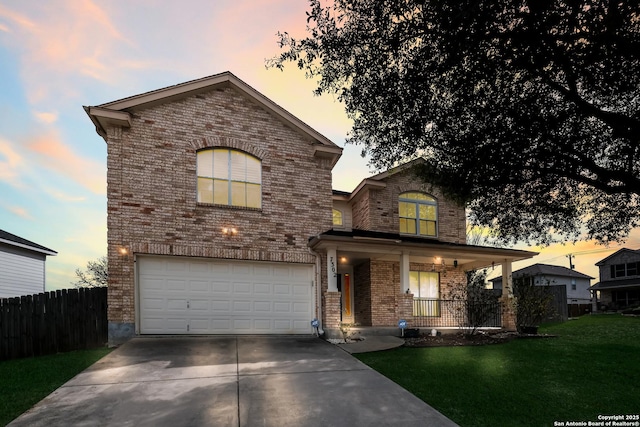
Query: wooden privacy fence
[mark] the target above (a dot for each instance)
(53, 322)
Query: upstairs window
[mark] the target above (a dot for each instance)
(229, 177)
(418, 214)
(623, 270)
(337, 218)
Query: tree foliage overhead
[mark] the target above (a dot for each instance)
(527, 110)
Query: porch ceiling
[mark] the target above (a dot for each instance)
(356, 246)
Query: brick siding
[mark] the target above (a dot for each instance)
(151, 189)
(377, 209)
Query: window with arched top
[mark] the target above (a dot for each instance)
(418, 214)
(229, 177)
(337, 218)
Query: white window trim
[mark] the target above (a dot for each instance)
(229, 179)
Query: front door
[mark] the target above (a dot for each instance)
(346, 286)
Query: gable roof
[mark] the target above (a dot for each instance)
(616, 253)
(13, 240)
(546, 270)
(118, 113)
(376, 181)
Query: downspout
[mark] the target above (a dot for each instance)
(318, 289)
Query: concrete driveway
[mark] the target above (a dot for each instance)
(230, 381)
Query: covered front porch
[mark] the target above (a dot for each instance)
(375, 279)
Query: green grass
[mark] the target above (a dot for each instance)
(24, 382)
(591, 368)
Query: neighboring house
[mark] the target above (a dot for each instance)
(619, 285)
(577, 284)
(222, 220)
(22, 266)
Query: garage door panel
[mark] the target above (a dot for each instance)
(200, 305)
(179, 295)
(153, 304)
(175, 266)
(261, 288)
(282, 307)
(262, 325)
(221, 287)
(280, 289)
(301, 290)
(300, 307)
(176, 304)
(199, 269)
(221, 307)
(173, 285)
(259, 306)
(153, 283)
(221, 325)
(200, 286)
(242, 306)
(242, 288)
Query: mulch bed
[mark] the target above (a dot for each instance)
(457, 339)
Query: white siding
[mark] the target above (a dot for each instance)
(21, 272)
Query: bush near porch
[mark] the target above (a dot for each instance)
(591, 368)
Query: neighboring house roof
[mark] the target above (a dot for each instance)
(546, 270)
(118, 113)
(17, 241)
(616, 284)
(616, 253)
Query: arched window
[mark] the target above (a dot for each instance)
(229, 177)
(418, 214)
(337, 218)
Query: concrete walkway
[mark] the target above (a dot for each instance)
(230, 381)
(372, 343)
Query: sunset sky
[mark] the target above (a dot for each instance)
(59, 55)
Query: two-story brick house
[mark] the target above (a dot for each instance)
(619, 285)
(222, 219)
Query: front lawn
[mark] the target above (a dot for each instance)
(24, 382)
(591, 368)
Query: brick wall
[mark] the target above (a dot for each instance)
(331, 309)
(378, 301)
(385, 285)
(151, 189)
(360, 211)
(377, 210)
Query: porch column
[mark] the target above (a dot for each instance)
(508, 311)
(332, 270)
(404, 273)
(507, 279)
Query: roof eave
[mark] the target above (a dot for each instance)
(103, 118)
(511, 254)
(45, 251)
(333, 154)
(204, 84)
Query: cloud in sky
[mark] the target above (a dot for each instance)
(19, 211)
(46, 117)
(61, 39)
(53, 154)
(10, 164)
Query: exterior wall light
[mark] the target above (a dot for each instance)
(123, 251)
(229, 231)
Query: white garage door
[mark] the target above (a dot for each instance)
(180, 295)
